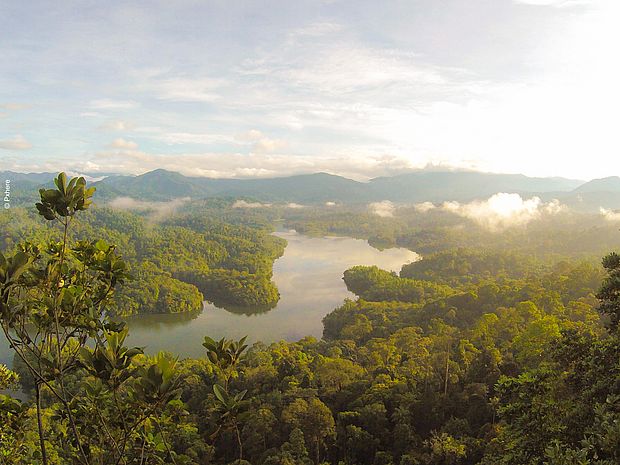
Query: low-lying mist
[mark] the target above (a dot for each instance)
(500, 211)
(157, 211)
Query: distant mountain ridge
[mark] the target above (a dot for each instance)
(464, 185)
(417, 186)
(413, 187)
(609, 184)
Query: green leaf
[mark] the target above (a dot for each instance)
(220, 393)
(18, 265)
(61, 182)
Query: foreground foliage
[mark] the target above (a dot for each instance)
(96, 401)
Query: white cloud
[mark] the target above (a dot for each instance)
(384, 208)
(610, 215)
(294, 205)
(109, 104)
(260, 142)
(504, 210)
(157, 210)
(540, 94)
(397, 103)
(253, 135)
(18, 142)
(117, 125)
(554, 207)
(328, 69)
(123, 144)
(177, 138)
(266, 145)
(245, 204)
(88, 178)
(221, 165)
(424, 207)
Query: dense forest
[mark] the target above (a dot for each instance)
(176, 262)
(507, 355)
(568, 233)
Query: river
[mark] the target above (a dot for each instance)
(309, 278)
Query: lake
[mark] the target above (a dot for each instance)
(309, 278)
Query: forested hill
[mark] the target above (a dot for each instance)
(417, 186)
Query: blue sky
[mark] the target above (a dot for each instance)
(269, 88)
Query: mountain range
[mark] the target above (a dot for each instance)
(413, 187)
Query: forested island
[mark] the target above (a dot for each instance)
(495, 348)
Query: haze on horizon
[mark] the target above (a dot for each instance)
(356, 88)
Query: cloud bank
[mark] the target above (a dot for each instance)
(121, 143)
(16, 143)
(424, 207)
(226, 165)
(500, 211)
(244, 204)
(504, 210)
(610, 215)
(158, 211)
(384, 209)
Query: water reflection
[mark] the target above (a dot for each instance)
(166, 320)
(245, 310)
(309, 278)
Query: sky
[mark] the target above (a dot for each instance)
(270, 88)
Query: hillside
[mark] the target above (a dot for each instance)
(321, 187)
(609, 184)
(418, 186)
(434, 186)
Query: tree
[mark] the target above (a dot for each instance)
(296, 448)
(445, 449)
(226, 355)
(609, 294)
(314, 418)
(53, 299)
(13, 418)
